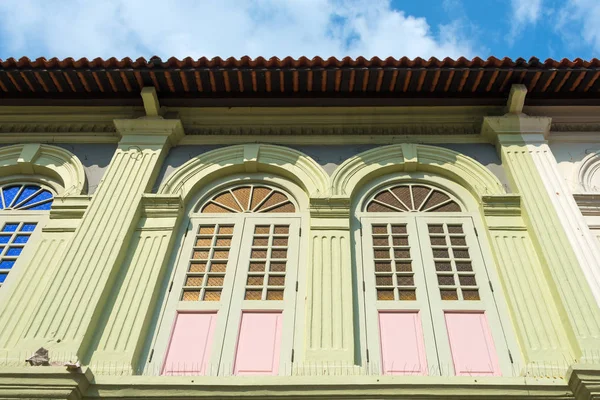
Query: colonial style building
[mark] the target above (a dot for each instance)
(299, 229)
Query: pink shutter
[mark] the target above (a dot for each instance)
(258, 345)
(189, 347)
(402, 346)
(471, 343)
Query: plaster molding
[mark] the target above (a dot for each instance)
(218, 163)
(575, 127)
(584, 381)
(149, 131)
(329, 387)
(361, 120)
(56, 127)
(330, 207)
(516, 128)
(588, 203)
(357, 170)
(44, 382)
(421, 128)
(77, 124)
(588, 168)
(361, 138)
(161, 206)
(69, 207)
(40, 159)
(508, 205)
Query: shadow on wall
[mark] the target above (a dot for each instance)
(95, 159)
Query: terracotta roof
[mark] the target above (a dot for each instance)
(303, 77)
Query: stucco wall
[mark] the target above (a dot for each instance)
(95, 159)
(569, 157)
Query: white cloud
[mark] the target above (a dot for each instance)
(82, 28)
(578, 23)
(523, 12)
(526, 11)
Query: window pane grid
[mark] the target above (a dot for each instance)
(394, 278)
(455, 277)
(13, 237)
(268, 261)
(206, 271)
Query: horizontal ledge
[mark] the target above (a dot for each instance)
(345, 387)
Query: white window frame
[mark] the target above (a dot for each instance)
(501, 327)
(224, 337)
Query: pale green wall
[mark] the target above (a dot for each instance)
(104, 260)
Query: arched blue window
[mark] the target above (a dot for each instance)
(18, 203)
(25, 197)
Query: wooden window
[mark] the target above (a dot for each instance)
(427, 293)
(234, 291)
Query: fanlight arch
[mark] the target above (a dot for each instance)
(412, 197)
(48, 165)
(25, 196)
(586, 175)
(247, 159)
(249, 198)
(371, 164)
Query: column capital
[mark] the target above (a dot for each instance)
(149, 131)
(516, 128)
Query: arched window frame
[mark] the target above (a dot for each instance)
(471, 210)
(23, 217)
(291, 335)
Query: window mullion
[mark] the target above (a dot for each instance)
(421, 237)
(236, 290)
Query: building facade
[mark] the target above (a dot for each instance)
(299, 229)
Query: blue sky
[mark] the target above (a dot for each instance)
(425, 28)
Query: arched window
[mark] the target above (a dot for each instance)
(232, 306)
(22, 207)
(429, 302)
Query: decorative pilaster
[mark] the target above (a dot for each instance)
(536, 320)
(329, 329)
(118, 344)
(74, 298)
(526, 157)
(19, 302)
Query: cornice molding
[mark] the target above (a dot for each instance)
(56, 127)
(66, 124)
(306, 121)
(422, 128)
(575, 127)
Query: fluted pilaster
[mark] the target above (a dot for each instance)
(74, 296)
